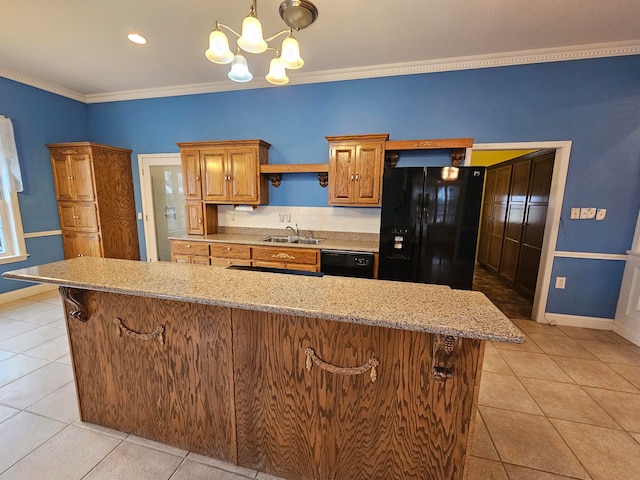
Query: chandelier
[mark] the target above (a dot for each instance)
(297, 14)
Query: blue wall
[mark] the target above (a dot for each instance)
(594, 103)
(39, 118)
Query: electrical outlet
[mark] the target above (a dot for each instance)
(231, 216)
(281, 217)
(575, 213)
(287, 217)
(561, 282)
(601, 213)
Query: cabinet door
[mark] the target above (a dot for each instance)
(67, 214)
(244, 175)
(61, 177)
(298, 423)
(213, 164)
(178, 391)
(88, 245)
(368, 172)
(195, 221)
(341, 174)
(69, 245)
(514, 220)
(81, 168)
(498, 216)
(191, 175)
(285, 255)
(86, 217)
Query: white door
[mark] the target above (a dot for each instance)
(162, 203)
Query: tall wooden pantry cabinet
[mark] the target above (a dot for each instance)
(94, 190)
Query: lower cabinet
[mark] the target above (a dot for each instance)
(306, 259)
(233, 254)
(295, 397)
(158, 369)
(300, 420)
(190, 252)
(226, 255)
(81, 245)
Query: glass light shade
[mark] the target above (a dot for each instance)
(218, 51)
(251, 39)
(239, 70)
(291, 54)
(277, 75)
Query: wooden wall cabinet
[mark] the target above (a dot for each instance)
(96, 206)
(356, 165)
(221, 172)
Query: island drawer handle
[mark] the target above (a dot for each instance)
(157, 333)
(372, 364)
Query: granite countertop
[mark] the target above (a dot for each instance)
(331, 240)
(408, 306)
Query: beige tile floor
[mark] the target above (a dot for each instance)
(566, 404)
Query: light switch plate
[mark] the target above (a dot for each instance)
(591, 213)
(584, 213)
(561, 282)
(575, 213)
(601, 213)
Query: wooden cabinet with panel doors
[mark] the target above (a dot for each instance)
(190, 252)
(356, 165)
(221, 172)
(96, 207)
(513, 219)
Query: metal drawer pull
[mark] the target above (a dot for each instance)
(370, 365)
(283, 255)
(120, 327)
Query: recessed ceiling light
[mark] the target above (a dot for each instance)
(136, 38)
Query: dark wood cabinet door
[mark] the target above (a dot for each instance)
(515, 220)
(537, 204)
(293, 422)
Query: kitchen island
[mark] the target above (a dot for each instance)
(300, 377)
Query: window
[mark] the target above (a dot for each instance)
(12, 245)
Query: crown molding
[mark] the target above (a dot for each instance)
(524, 57)
(42, 85)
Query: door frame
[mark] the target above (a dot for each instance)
(552, 222)
(145, 162)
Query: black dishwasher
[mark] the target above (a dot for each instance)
(347, 263)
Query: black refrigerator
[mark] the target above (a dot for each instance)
(429, 224)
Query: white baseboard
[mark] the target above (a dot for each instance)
(26, 292)
(579, 321)
(624, 332)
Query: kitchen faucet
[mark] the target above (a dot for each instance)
(294, 230)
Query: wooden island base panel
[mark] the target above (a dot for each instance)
(312, 386)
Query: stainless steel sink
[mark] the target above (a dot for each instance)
(309, 241)
(301, 240)
(280, 239)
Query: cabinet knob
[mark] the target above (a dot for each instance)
(188, 246)
(200, 221)
(352, 177)
(197, 178)
(357, 177)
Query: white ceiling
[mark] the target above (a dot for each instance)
(80, 46)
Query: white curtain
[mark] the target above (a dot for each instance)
(8, 153)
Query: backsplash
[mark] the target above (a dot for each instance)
(337, 219)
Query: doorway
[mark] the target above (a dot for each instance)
(552, 219)
(162, 203)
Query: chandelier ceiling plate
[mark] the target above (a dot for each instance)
(298, 14)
